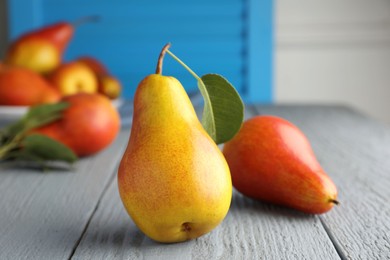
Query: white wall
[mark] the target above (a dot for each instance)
(334, 51)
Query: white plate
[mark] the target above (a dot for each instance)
(117, 103)
(12, 112)
(16, 112)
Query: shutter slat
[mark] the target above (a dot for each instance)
(207, 35)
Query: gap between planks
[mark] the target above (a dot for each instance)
(109, 182)
(333, 239)
(126, 112)
(256, 110)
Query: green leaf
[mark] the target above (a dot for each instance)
(223, 111)
(24, 155)
(47, 149)
(35, 117)
(46, 109)
(43, 114)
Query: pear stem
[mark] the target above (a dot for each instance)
(184, 65)
(5, 149)
(86, 19)
(161, 58)
(336, 202)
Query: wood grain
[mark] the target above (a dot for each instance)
(43, 214)
(354, 150)
(79, 215)
(251, 230)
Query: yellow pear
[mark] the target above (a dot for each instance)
(173, 179)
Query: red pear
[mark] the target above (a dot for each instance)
(23, 87)
(94, 65)
(270, 159)
(41, 50)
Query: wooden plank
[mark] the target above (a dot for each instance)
(43, 215)
(354, 150)
(251, 230)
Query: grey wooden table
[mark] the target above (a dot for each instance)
(78, 214)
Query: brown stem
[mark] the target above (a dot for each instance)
(5, 149)
(86, 19)
(334, 201)
(161, 58)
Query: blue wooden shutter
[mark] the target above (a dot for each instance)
(229, 37)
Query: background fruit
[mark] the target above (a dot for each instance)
(23, 87)
(95, 65)
(90, 124)
(108, 85)
(41, 50)
(270, 159)
(72, 78)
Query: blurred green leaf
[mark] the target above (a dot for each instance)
(35, 117)
(47, 149)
